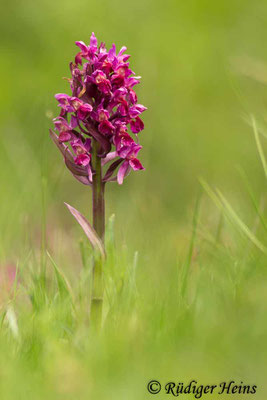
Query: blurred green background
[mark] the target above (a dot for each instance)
(204, 71)
(190, 55)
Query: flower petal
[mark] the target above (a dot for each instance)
(106, 127)
(136, 164)
(122, 172)
(137, 109)
(64, 137)
(109, 157)
(137, 125)
(93, 40)
(82, 46)
(82, 159)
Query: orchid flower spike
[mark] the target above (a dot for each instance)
(102, 106)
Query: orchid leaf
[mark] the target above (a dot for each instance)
(93, 237)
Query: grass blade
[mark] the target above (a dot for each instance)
(224, 205)
(252, 197)
(243, 227)
(62, 282)
(259, 146)
(191, 248)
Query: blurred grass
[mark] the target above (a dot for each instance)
(204, 72)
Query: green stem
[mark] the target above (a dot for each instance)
(99, 226)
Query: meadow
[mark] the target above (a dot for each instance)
(185, 277)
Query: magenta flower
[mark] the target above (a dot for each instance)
(101, 107)
(82, 150)
(137, 125)
(131, 162)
